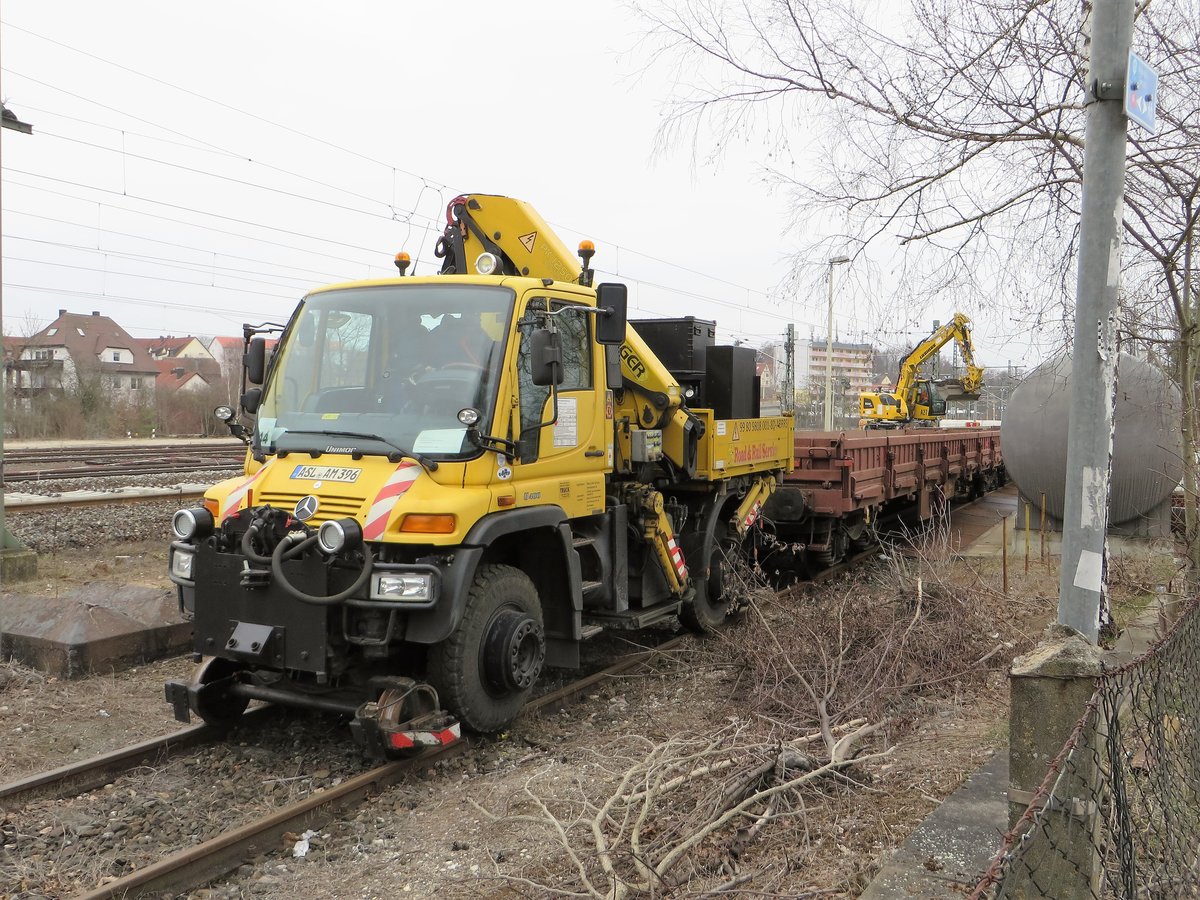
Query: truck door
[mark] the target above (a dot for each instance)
(563, 463)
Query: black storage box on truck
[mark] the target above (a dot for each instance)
(680, 345)
(720, 378)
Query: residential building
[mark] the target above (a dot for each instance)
(75, 348)
(227, 351)
(851, 364)
(171, 347)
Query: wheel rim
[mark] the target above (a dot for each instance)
(718, 574)
(513, 651)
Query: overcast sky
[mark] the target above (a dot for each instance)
(194, 166)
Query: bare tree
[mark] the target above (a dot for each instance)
(954, 128)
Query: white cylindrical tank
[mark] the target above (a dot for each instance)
(1147, 460)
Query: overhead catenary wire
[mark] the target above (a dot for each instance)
(199, 268)
(425, 180)
(180, 207)
(198, 225)
(407, 218)
(205, 146)
(235, 315)
(223, 105)
(60, 265)
(191, 247)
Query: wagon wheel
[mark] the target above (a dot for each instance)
(860, 535)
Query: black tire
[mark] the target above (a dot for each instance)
(485, 671)
(707, 609)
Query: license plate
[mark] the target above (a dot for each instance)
(326, 473)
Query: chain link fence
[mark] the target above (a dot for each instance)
(1118, 813)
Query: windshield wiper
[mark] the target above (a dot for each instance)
(398, 452)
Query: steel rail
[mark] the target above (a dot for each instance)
(89, 774)
(207, 861)
(19, 503)
(216, 857)
(159, 467)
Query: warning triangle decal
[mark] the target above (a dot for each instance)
(528, 240)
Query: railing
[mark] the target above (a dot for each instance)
(1118, 813)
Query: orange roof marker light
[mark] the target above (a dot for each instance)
(402, 261)
(586, 251)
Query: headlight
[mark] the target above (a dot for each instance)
(416, 586)
(192, 523)
(338, 535)
(181, 563)
(486, 263)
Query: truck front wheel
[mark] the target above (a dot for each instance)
(485, 671)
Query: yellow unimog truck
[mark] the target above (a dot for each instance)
(454, 480)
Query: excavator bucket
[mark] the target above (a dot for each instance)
(953, 389)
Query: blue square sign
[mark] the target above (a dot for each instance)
(1141, 93)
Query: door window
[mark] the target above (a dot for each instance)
(575, 338)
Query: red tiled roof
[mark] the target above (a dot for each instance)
(86, 337)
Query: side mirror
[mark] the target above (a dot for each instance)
(255, 362)
(251, 399)
(613, 299)
(545, 357)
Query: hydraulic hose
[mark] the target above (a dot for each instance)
(248, 547)
(290, 547)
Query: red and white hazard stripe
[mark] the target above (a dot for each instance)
(403, 740)
(752, 516)
(234, 500)
(677, 559)
(385, 501)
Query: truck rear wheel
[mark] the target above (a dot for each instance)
(485, 671)
(706, 611)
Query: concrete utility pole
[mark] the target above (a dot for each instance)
(836, 261)
(1094, 359)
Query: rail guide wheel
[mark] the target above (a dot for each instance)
(209, 693)
(404, 721)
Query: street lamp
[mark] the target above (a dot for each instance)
(10, 547)
(835, 261)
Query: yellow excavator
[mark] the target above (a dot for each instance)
(918, 398)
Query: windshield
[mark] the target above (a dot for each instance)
(391, 363)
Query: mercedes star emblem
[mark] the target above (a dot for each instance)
(306, 508)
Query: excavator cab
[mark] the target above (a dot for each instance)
(930, 405)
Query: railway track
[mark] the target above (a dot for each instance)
(100, 498)
(105, 460)
(197, 865)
